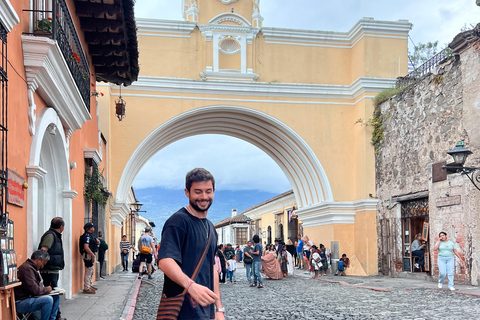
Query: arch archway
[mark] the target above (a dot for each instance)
(292, 154)
(49, 193)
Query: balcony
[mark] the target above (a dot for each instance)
(57, 24)
(55, 65)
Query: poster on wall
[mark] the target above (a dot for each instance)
(16, 193)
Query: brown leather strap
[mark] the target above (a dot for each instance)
(202, 258)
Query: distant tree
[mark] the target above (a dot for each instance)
(421, 53)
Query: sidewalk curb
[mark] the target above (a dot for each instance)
(129, 309)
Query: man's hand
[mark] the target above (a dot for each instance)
(202, 294)
(49, 288)
(219, 316)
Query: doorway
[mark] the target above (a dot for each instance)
(415, 219)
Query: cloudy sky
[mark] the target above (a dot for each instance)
(238, 165)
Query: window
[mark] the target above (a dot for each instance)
(241, 235)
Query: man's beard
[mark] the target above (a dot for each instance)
(198, 209)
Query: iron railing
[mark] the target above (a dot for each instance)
(425, 68)
(56, 23)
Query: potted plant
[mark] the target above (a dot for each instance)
(44, 26)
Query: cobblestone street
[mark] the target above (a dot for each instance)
(302, 298)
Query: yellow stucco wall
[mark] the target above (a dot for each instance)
(327, 123)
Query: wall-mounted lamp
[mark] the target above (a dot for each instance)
(459, 155)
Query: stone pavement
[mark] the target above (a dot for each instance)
(298, 297)
(111, 301)
(301, 297)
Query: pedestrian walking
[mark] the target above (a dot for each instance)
(51, 242)
(223, 262)
(446, 262)
(124, 252)
(248, 260)
(316, 261)
(146, 246)
(257, 262)
(189, 242)
(232, 267)
(307, 246)
(102, 247)
(324, 256)
(300, 260)
(284, 261)
(88, 248)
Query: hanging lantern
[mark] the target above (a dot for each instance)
(120, 106)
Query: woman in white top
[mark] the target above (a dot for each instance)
(307, 247)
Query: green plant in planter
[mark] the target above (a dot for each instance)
(45, 24)
(94, 189)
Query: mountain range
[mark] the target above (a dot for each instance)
(161, 203)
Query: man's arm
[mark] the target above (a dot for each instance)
(30, 283)
(199, 293)
(218, 300)
(86, 247)
(47, 242)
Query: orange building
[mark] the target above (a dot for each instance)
(53, 52)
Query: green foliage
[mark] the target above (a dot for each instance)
(94, 189)
(386, 94)
(45, 24)
(376, 121)
(422, 52)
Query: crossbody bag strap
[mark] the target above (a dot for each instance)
(202, 258)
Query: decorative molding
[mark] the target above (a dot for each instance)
(334, 212)
(36, 172)
(230, 17)
(359, 87)
(227, 29)
(227, 1)
(69, 194)
(232, 76)
(8, 16)
(92, 153)
(46, 69)
(164, 26)
(397, 29)
(119, 211)
(32, 107)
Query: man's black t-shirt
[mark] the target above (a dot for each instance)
(184, 238)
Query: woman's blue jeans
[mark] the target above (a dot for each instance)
(124, 260)
(446, 266)
(256, 273)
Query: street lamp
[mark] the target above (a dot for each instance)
(459, 155)
(137, 205)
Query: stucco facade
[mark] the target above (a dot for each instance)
(295, 94)
(420, 125)
(54, 134)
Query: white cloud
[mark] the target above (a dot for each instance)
(432, 19)
(235, 164)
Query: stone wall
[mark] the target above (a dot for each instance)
(420, 125)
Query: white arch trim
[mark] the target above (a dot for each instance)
(294, 156)
(35, 175)
(230, 16)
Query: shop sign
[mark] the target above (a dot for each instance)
(449, 201)
(16, 193)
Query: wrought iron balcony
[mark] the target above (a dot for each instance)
(56, 23)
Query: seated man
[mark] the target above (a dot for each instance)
(417, 250)
(31, 295)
